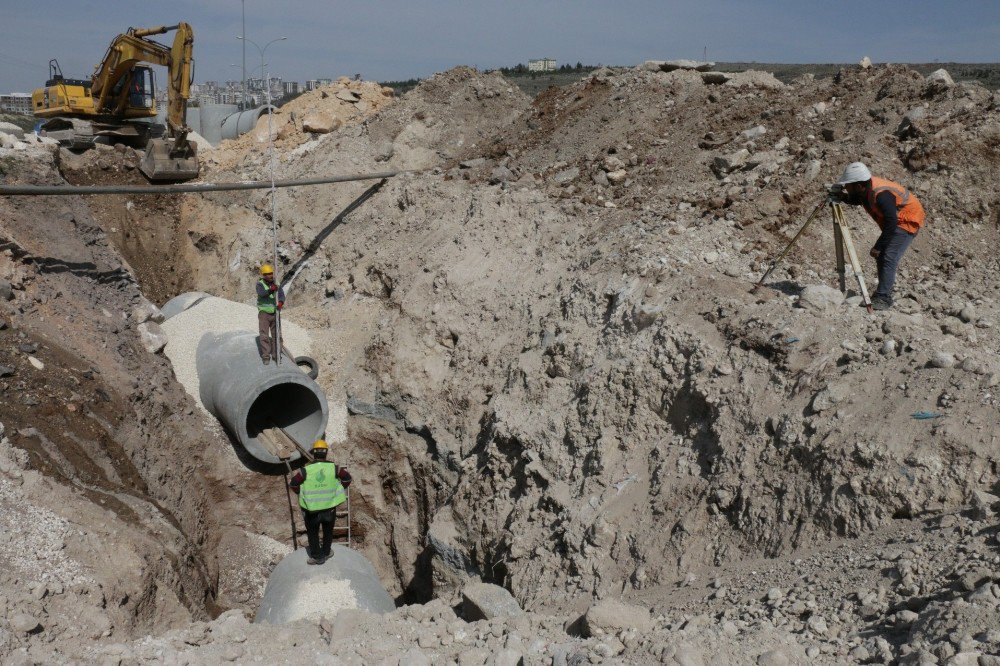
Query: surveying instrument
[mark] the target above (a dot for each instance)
(843, 244)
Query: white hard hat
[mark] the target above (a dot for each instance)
(855, 172)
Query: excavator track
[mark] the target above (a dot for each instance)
(79, 134)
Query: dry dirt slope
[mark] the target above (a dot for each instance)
(565, 318)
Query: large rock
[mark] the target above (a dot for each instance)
(831, 396)
(617, 177)
(609, 617)
(723, 164)
(146, 311)
(820, 297)
(483, 601)
(566, 176)
(384, 151)
(23, 623)
(320, 123)
(942, 359)
(12, 129)
(912, 123)
(985, 504)
(941, 76)
(297, 590)
(152, 336)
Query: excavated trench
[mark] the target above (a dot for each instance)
(399, 486)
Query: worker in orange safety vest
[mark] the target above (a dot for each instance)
(898, 214)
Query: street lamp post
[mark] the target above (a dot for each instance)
(262, 65)
(253, 71)
(243, 3)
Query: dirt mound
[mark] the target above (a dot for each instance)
(303, 119)
(451, 114)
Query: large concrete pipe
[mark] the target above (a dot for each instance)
(296, 590)
(211, 347)
(206, 119)
(212, 117)
(240, 123)
(249, 397)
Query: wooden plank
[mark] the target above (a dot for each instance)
(305, 454)
(274, 443)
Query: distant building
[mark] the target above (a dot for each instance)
(542, 65)
(16, 103)
(311, 85)
(291, 87)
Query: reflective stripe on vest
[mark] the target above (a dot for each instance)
(269, 302)
(322, 489)
(909, 212)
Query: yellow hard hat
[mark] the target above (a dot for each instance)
(320, 445)
(267, 269)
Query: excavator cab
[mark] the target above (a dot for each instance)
(141, 92)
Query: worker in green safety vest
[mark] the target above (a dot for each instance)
(321, 488)
(270, 300)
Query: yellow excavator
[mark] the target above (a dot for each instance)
(118, 101)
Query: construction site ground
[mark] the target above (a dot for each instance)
(553, 373)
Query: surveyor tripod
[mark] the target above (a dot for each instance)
(843, 246)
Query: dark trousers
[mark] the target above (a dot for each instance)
(888, 260)
(267, 328)
(313, 520)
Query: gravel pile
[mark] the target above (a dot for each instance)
(217, 315)
(321, 597)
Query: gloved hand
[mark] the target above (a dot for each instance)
(281, 304)
(874, 252)
(273, 287)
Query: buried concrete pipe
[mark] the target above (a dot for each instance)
(233, 385)
(249, 397)
(297, 590)
(237, 124)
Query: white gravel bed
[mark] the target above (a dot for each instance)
(322, 597)
(213, 316)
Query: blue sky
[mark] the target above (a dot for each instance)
(398, 39)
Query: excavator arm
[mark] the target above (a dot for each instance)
(130, 49)
(173, 158)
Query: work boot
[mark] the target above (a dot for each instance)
(880, 303)
(313, 560)
(265, 360)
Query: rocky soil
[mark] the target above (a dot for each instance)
(559, 383)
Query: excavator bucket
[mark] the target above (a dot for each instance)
(163, 161)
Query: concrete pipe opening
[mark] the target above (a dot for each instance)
(249, 397)
(209, 345)
(295, 408)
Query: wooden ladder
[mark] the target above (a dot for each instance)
(278, 442)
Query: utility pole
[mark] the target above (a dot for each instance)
(243, 102)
